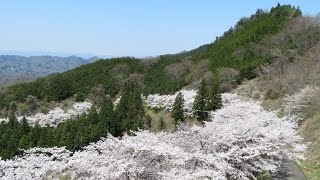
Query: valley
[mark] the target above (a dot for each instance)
(19, 69)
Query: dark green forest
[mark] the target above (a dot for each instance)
(131, 77)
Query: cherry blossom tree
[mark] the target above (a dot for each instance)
(298, 105)
(166, 101)
(241, 140)
(56, 115)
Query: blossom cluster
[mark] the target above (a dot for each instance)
(241, 139)
(166, 101)
(56, 115)
(297, 105)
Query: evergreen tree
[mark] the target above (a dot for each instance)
(298, 12)
(83, 132)
(24, 142)
(93, 117)
(13, 122)
(130, 110)
(214, 101)
(200, 103)
(177, 110)
(34, 135)
(25, 125)
(92, 127)
(162, 125)
(108, 120)
(43, 139)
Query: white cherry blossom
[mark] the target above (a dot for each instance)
(241, 139)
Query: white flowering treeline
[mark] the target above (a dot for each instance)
(56, 115)
(166, 101)
(297, 105)
(242, 139)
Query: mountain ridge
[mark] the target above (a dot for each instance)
(14, 68)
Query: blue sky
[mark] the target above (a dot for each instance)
(121, 27)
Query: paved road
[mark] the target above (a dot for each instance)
(289, 170)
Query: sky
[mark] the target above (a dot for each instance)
(107, 28)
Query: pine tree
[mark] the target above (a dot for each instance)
(92, 127)
(43, 139)
(108, 120)
(13, 122)
(23, 142)
(25, 126)
(83, 132)
(34, 135)
(177, 110)
(93, 117)
(200, 103)
(298, 11)
(130, 110)
(214, 101)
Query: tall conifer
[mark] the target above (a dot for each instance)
(177, 110)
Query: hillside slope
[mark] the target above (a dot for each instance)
(238, 49)
(13, 68)
(277, 50)
(291, 84)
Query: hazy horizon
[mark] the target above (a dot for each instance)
(121, 28)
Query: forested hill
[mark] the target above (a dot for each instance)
(14, 68)
(242, 48)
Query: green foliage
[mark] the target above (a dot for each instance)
(130, 110)
(72, 134)
(177, 109)
(93, 116)
(25, 126)
(156, 79)
(298, 12)
(311, 169)
(78, 132)
(214, 101)
(77, 82)
(200, 103)
(207, 99)
(246, 33)
(80, 81)
(162, 125)
(108, 119)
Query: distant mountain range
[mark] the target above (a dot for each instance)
(15, 68)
